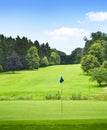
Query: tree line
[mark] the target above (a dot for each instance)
(94, 60)
(21, 53)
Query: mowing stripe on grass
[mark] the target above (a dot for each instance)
(50, 110)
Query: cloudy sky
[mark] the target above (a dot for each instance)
(61, 23)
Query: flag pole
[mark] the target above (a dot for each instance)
(61, 81)
(61, 98)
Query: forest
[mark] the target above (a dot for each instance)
(21, 53)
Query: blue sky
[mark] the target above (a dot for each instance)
(61, 23)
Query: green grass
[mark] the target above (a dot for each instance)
(77, 115)
(50, 110)
(38, 84)
(46, 114)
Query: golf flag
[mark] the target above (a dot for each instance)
(61, 80)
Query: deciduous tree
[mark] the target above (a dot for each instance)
(32, 58)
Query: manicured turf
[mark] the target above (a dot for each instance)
(50, 110)
(47, 115)
(45, 81)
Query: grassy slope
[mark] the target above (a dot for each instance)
(77, 115)
(46, 81)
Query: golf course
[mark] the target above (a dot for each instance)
(29, 100)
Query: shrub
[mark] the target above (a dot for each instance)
(57, 96)
(78, 96)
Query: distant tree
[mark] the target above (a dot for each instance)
(21, 47)
(36, 43)
(54, 58)
(76, 55)
(44, 61)
(98, 35)
(14, 63)
(6, 49)
(87, 46)
(32, 58)
(99, 75)
(44, 50)
(64, 59)
(89, 62)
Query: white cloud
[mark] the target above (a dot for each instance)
(97, 16)
(68, 32)
(66, 39)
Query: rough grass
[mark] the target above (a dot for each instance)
(45, 81)
(55, 125)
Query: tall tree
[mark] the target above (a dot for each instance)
(32, 58)
(97, 50)
(76, 55)
(99, 75)
(21, 47)
(89, 62)
(98, 35)
(54, 58)
(44, 61)
(14, 63)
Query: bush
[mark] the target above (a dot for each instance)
(57, 96)
(78, 96)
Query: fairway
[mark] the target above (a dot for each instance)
(36, 84)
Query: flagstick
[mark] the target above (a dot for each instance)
(61, 98)
(61, 81)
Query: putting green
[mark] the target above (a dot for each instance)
(51, 110)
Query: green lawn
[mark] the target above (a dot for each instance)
(45, 81)
(50, 110)
(40, 114)
(77, 115)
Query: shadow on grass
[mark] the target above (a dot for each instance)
(54, 125)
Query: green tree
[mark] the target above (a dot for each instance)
(89, 62)
(104, 65)
(44, 61)
(14, 62)
(97, 51)
(32, 58)
(1, 68)
(98, 35)
(76, 55)
(88, 44)
(6, 48)
(104, 44)
(21, 47)
(54, 58)
(99, 75)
